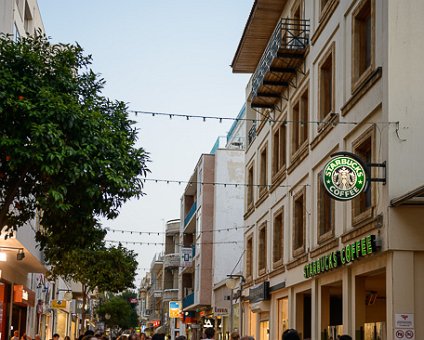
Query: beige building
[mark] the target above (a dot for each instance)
(332, 76)
(20, 17)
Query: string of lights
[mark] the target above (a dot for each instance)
(151, 233)
(204, 118)
(173, 181)
(162, 243)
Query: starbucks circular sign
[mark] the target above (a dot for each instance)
(344, 177)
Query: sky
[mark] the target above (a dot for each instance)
(161, 56)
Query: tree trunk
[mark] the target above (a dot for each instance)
(84, 302)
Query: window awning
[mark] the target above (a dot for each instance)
(413, 197)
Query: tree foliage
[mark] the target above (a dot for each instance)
(65, 149)
(121, 312)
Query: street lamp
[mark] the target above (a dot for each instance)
(231, 283)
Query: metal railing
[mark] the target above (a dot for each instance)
(289, 33)
(251, 135)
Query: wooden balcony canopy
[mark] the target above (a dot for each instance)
(261, 23)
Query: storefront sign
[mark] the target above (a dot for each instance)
(259, 293)
(208, 323)
(220, 311)
(174, 309)
(58, 303)
(186, 257)
(23, 296)
(347, 254)
(344, 177)
(404, 326)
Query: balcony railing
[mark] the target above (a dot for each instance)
(251, 134)
(188, 300)
(170, 294)
(287, 46)
(190, 213)
(171, 260)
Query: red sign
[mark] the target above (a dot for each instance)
(133, 301)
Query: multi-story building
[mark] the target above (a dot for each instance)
(333, 76)
(171, 265)
(155, 293)
(195, 276)
(228, 241)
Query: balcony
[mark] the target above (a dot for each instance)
(188, 300)
(251, 135)
(171, 260)
(280, 62)
(190, 214)
(170, 294)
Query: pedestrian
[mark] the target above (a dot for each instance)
(56, 336)
(158, 336)
(290, 334)
(67, 337)
(15, 335)
(235, 336)
(210, 333)
(181, 337)
(345, 337)
(37, 337)
(247, 337)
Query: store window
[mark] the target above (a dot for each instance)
(370, 312)
(264, 330)
(325, 212)
(283, 315)
(362, 41)
(331, 311)
(278, 238)
(304, 312)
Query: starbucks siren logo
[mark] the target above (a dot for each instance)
(344, 178)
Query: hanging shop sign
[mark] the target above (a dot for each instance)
(58, 303)
(174, 309)
(259, 293)
(23, 296)
(186, 257)
(352, 252)
(345, 176)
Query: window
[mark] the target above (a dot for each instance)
(262, 250)
(278, 238)
(325, 212)
(250, 183)
(326, 84)
(299, 223)
(300, 122)
(362, 204)
(362, 40)
(249, 257)
(279, 149)
(263, 179)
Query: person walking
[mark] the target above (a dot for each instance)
(210, 333)
(290, 334)
(345, 337)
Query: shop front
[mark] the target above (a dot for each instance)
(23, 299)
(348, 298)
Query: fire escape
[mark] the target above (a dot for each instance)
(284, 56)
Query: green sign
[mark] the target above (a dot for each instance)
(338, 258)
(344, 177)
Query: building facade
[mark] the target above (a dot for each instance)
(333, 76)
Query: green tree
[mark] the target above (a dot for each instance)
(120, 311)
(105, 269)
(65, 149)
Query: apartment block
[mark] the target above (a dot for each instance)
(333, 77)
